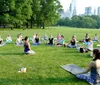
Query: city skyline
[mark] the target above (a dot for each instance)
(80, 5)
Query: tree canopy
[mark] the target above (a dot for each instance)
(17, 13)
(81, 21)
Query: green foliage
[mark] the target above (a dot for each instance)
(45, 12)
(79, 21)
(20, 12)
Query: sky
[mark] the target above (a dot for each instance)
(80, 4)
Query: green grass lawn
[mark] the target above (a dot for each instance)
(43, 68)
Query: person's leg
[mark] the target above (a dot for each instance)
(73, 46)
(69, 46)
(31, 52)
(85, 77)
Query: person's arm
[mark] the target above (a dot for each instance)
(29, 45)
(88, 68)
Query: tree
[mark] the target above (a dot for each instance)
(15, 11)
(46, 12)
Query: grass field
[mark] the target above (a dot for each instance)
(43, 68)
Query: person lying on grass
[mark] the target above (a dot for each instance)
(27, 48)
(93, 67)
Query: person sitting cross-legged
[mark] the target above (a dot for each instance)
(50, 40)
(58, 37)
(89, 44)
(95, 39)
(72, 43)
(1, 40)
(45, 38)
(36, 40)
(2, 43)
(94, 68)
(27, 48)
(8, 39)
(61, 41)
(19, 41)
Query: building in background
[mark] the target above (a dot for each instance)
(88, 10)
(95, 13)
(72, 8)
(71, 11)
(98, 12)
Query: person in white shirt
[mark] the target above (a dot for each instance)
(89, 45)
(8, 39)
(95, 39)
(1, 41)
(19, 41)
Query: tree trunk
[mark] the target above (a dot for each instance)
(43, 26)
(16, 25)
(4, 26)
(31, 23)
(27, 25)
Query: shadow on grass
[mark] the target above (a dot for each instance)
(11, 53)
(40, 81)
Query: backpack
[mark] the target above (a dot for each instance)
(81, 50)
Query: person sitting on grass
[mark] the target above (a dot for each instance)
(27, 48)
(85, 38)
(94, 68)
(61, 42)
(51, 40)
(45, 38)
(19, 41)
(8, 39)
(1, 40)
(95, 39)
(72, 43)
(33, 38)
(89, 45)
(37, 40)
(58, 37)
(20, 35)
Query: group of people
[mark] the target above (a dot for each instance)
(8, 40)
(58, 41)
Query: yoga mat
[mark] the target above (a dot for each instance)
(74, 69)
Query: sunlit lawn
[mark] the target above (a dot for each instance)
(43, 68)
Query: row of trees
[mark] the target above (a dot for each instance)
(17, 13)
(81, 21)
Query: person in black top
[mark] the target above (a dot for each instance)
(27, 47)
(93, 68)
(72, 43)
(51, 40)
(37, 40)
